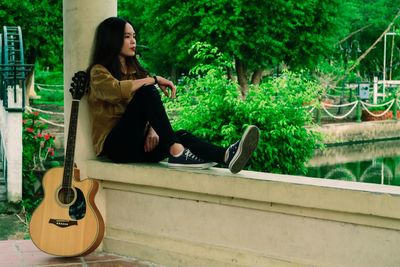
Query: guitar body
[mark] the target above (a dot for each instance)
(67, 223)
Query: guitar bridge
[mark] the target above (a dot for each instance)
(62, 223)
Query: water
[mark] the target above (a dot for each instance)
(377, 162)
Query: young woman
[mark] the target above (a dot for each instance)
(129, 122)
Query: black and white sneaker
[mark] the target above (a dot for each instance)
(189, 160)
(239, 153)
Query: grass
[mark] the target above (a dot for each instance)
(12, 224)
(55, 97)
(47, 77)
(49, 95)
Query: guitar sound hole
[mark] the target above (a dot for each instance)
(66, 195)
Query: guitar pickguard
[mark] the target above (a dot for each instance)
(77, 210)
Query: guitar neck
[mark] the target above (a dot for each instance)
(70, 149)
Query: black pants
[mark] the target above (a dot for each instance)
(125, 142)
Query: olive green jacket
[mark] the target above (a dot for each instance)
(108, 99)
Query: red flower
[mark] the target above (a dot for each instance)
(47, 136)
(36, 113)
(39, 135)
(29, 130)
(50, 151)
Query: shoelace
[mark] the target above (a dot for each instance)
(234, 148)
(189, 154)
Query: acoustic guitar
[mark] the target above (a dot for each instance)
(67, 222)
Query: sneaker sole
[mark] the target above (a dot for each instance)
(247, 145)
(193, 166)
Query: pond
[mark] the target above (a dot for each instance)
(375, 162)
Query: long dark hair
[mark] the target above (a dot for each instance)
(108, 42)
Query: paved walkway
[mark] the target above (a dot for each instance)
(22, 253)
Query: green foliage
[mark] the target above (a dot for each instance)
(261, 34)
(265, 34)
(55, 97)
(277, 106)
(373, 17)
(210, 107)
(42, 29)
(49, 77)
(210, 60)
(38, 151)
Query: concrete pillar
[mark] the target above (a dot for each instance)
(375, 101)
(81, 18)
(11, 134)
(14, 156)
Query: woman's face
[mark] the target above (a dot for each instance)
(129, 46)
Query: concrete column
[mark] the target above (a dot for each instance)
(14, 156)
(11, 134)
(81, 18)
(375, 101)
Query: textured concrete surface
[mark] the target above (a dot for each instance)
(353, 132)
(22, 253)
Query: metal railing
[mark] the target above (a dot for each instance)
(13, 83)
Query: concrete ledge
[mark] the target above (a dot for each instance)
(214, 218)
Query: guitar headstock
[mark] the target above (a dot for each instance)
(78, 85)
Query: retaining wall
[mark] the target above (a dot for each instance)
(214, 218)
(342, 133)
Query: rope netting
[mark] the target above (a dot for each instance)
(31, 109)
(336, 106)
(365, 106)
(50, 87)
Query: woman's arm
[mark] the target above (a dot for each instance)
(141, 82)
(151, 141)
(107, 88)
(163, 83)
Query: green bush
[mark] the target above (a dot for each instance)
(276, 107)
(210, 107)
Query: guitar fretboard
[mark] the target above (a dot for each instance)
(70, 149)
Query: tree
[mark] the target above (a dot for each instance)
(256, 35)
(369, 19)
(41, 23)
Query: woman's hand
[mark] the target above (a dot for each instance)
(151, 141)
(164, 84)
